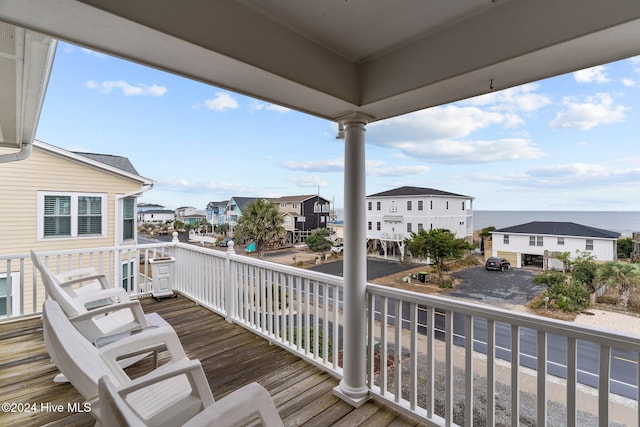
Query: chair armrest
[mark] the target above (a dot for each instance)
(148, 340)
(237, 406)
(119, 294)
(80, 272)
(191, 368)
(89, 329)
(101, 278)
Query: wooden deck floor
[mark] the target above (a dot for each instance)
(230, 355)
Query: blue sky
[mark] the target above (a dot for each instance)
(565, 143)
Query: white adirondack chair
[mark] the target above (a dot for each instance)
(119, 408)
(83, 365)
(96, 308)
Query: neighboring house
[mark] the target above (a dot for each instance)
(142, 207)
(521, 244)
(215, 212)
(156, 216)
(58, 200)
(310, 211)
(193, 218)
(234, 209)
(302, 214)
(185, 211)
(394, 214)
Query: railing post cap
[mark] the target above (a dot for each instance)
(175, 237)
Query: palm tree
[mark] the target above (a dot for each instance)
(260, 222)
(621, 275)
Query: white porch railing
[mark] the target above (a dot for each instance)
(435, 358)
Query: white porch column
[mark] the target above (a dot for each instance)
(353, 387)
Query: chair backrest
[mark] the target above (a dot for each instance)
(53, 290)
(73, 354)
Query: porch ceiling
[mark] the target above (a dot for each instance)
(333, 57)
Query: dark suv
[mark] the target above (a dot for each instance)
(495, 263)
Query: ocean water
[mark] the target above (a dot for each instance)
(624, 223)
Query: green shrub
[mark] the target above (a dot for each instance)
(564, 293)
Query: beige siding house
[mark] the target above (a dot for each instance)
(57, 200)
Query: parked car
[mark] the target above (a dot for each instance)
(337, 249)
(225, 242)
(495, 263)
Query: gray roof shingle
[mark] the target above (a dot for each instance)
(119, 162)
(559, 229)
(415, 191)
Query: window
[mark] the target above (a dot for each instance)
(378, 226)
(420, 205)
(128, 273)
(505, 239)
(420, 227)
(370, 206)
(316, 208)
(294, 205)
(57, 216)
(539, 241)
(378, 206)
(322, 219)
(5, 292)
(408, 227)
(589, 245)
(69, 215)
(447, 204)
(287, 220)
(462, 205)
(128, 219)
(532, 240)
(408, 205)
(325, 207)
(282, 205)
(561, 241)
(369, 225)
(430, 204)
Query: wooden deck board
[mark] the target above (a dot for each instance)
(230, 355)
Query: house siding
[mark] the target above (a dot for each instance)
(437, 212)
(603, 249)
(43, 171)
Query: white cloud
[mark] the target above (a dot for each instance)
(259, 106)
(331, 165)
(516, 99)
(93, 53)
(597, 74)
(308, 181)
(381, 169)
(222, 101)
(126, 88)
(572, 176)
(595, 111)
(439, 135)
(628, 82)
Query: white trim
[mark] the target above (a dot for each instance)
(15, 292)
(90, 162)
(74, 215)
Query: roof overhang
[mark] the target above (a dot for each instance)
(333, 58)
(26, 58)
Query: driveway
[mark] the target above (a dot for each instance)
(511, 287)
(375, 267)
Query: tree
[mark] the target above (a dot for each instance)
(621, 275)
(486, 232)
(260, 222)
(438, 244)
(625, 247)
(318, 241)
(583, 269)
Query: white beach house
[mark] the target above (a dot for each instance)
(523, 243)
